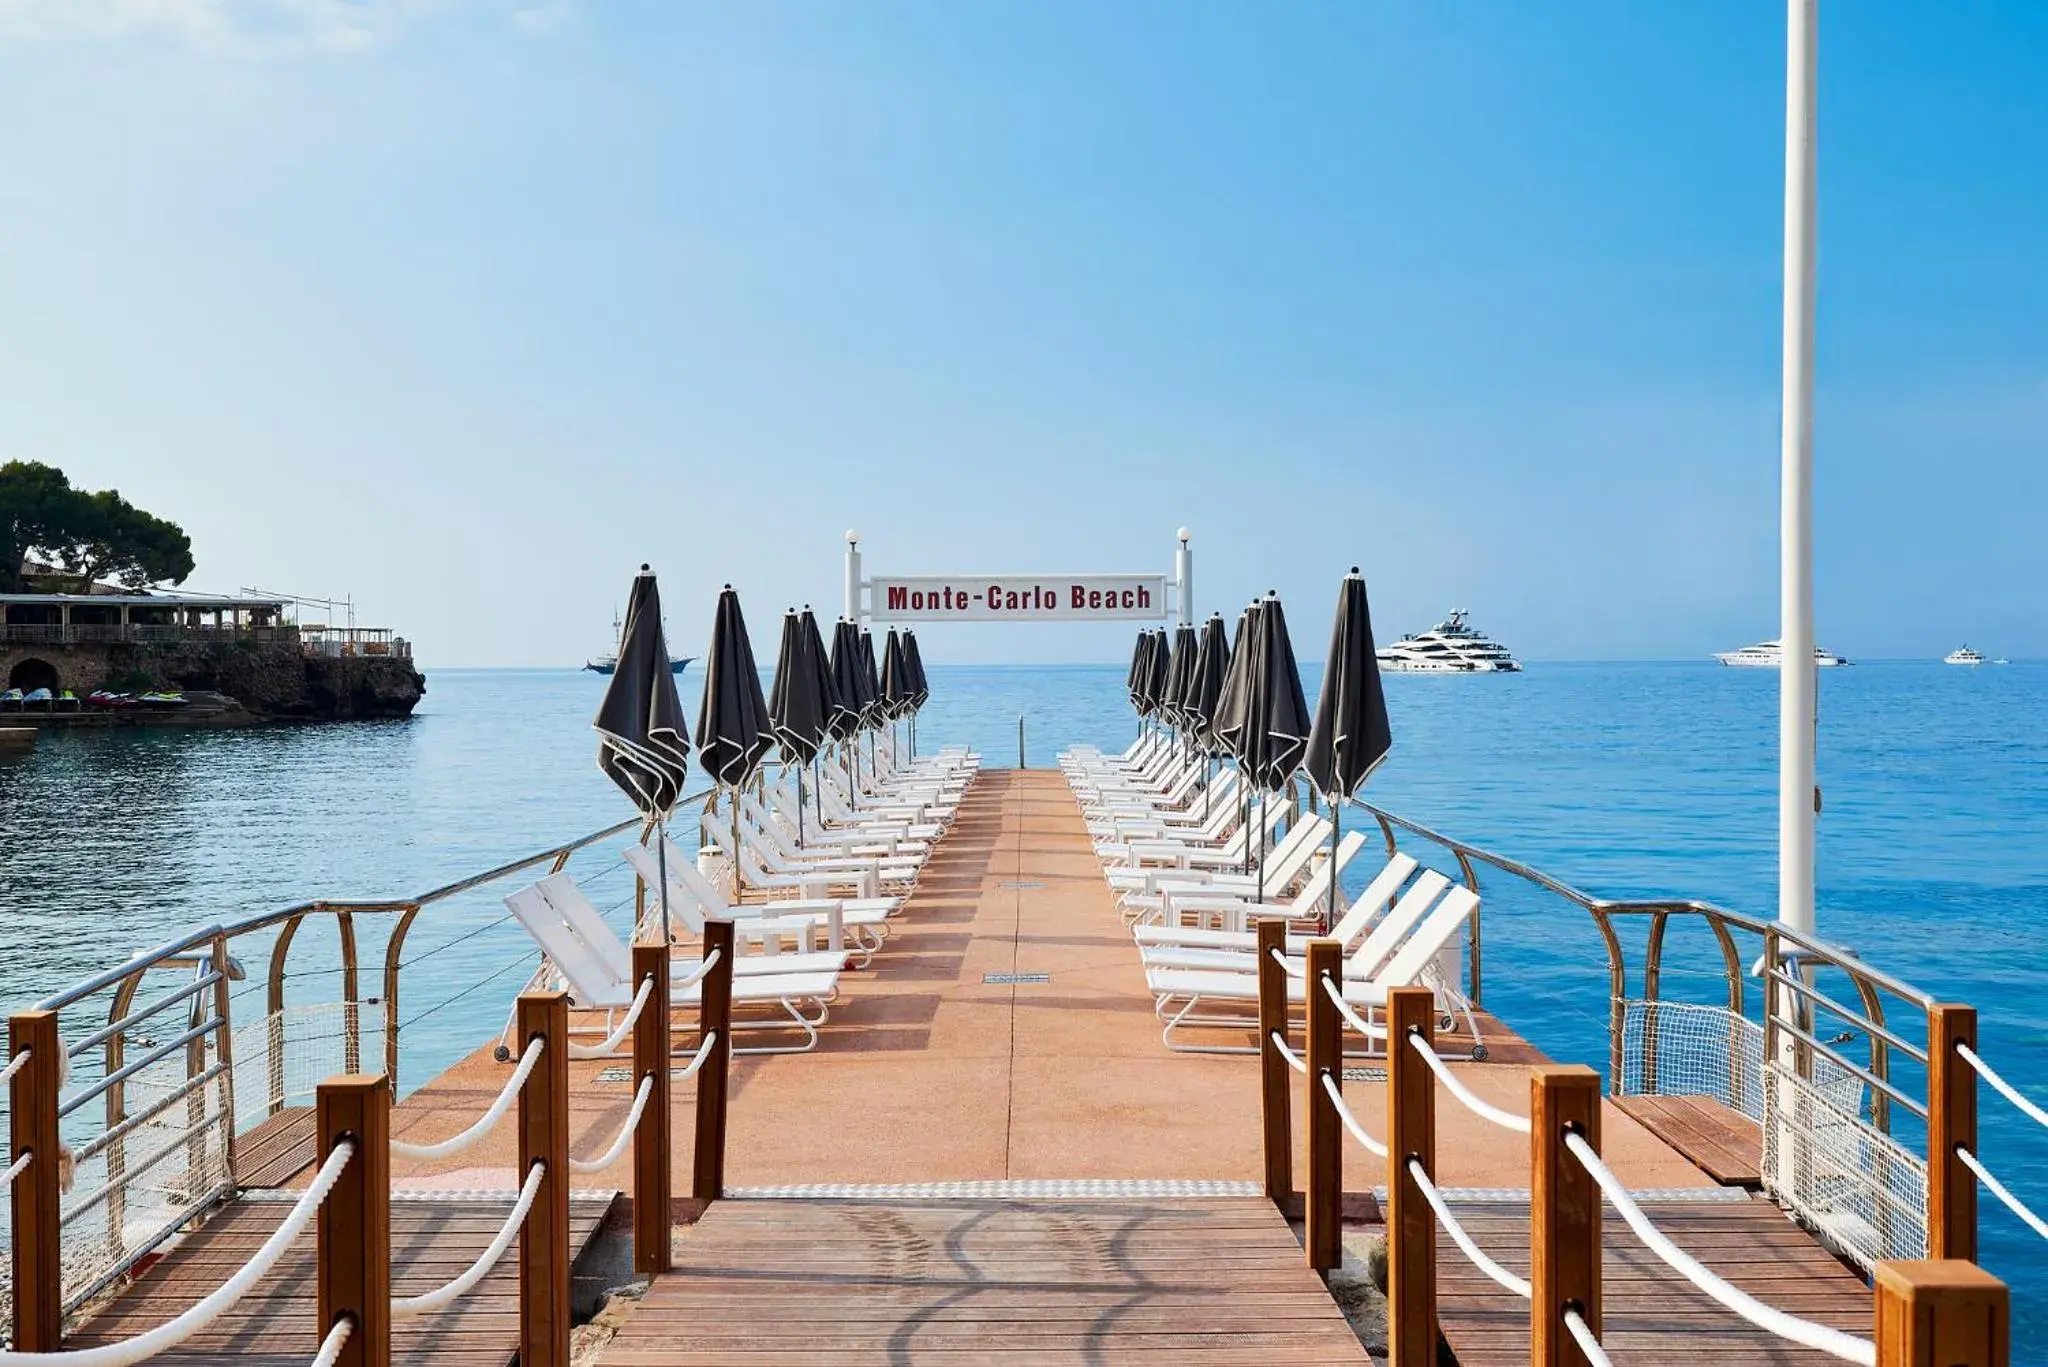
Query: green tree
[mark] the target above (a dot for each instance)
(89, 536)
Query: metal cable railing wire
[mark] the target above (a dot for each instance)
(617, 1037)
(1998, 1189)
(441, 1297)
(625, 1135)
(1472, 1251)
(1336, 1095)
(488, 1121)
(171, 1333)
(2005, 1089)
(1472, 1102)
(1768, 1318)
(1582, 1334)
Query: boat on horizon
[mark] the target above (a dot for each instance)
(1962, 655)
(1769, 655)
(1449, 647)
(609, 663)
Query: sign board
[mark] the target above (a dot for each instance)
(1018, 598)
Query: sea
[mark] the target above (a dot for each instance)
(1624, 780)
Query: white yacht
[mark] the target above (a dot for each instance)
(1769, 655)
(1962, 656)
(1449, 647)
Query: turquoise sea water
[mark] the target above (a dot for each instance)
(1622, 779)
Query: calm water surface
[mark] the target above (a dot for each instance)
(1622, 779)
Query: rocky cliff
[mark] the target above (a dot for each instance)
(271, 679)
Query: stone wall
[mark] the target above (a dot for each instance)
(271, 679)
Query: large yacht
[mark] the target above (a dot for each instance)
(1962, 655)
(1769, 655)
(1449, 647)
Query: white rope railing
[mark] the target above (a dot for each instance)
(696, 975)
(14, 1065)
(1768, 1318)
(1351, 1018)
(1472, 1102)
(1478, 1256)
(1582, 1334)
(2005, 1089)
(1998, 1189)
(1294, 1060)
(1336, 1095)
(336, 1340)
(604, 1047)
(689, 1070)
(625, 1135)
(488, 1121)
(441, 1297)
(171, 1333)
(15, 1168)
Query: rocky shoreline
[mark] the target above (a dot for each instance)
(227, 684)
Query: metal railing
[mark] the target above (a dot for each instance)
(135, 633)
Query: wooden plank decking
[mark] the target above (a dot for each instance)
(985, 1281)
(1652, 1315)
(432, 1239)
(275, 1151)
(1722, 1142)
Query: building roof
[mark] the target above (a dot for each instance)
(204, 602)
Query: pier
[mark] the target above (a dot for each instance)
(989, 1156)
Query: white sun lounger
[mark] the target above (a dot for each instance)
(693, 898)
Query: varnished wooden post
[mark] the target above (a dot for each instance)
(1411, 1224)
(1951, 1124)
(1941, 1314)
(544, 1139)
(1564, 1206)
(354, 1229)
(651, 1142)
(36, 1196)
(1324, 1238)
(1275, 1084)
(714, 1017)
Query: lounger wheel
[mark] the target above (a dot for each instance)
(502, 1054)
(1479, 1053)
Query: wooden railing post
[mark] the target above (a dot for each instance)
(1564, 1211)
(714, 1017)
(1941, 1313)
(1275, 1086)
(544, 1139)
(1951, 1124)
(1411, 1224)
(354, 1228)
(36, 1196)
(1324, 1216)
(651, 1142)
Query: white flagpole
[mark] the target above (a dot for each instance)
(1796, 686)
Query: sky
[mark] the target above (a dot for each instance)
(465, 308)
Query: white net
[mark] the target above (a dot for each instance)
(1684, 1049)
(281, 1060)
(1859, 1187)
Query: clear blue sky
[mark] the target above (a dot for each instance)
(470, 307)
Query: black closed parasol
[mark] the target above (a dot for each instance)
(1351, 734)
(920, 686)
(644, 744)
(796, 704)
(733, 729)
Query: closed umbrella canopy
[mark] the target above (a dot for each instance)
(872, 713)
(1153, 689)
(797, 704)
(733, 732)
(1205, 689)
(920, 686)
(896, 703)
(1277, 736)
(846, 680)
(1135, 679)
(645, 744)
(1233, 715)
(1351, 735)
(1180, 678)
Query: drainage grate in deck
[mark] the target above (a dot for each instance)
(993, 978)
(1020, 883)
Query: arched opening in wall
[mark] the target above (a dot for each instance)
(31, 674)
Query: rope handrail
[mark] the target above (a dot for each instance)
(14, 1065)
(15, 1168)
(1336, 1095)
(1293, 1060)
(1998, 1189)
(336, 1340)
(696, 975)
(171, 1333)
(617, 1037)
(441, 1297)
(485, 1123)
(2005, 1089)
(1351, 1018)
(1768, 1318)
(625, 1135)
(1472, 1102)
(1582, 1334)
(1478, 1256)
